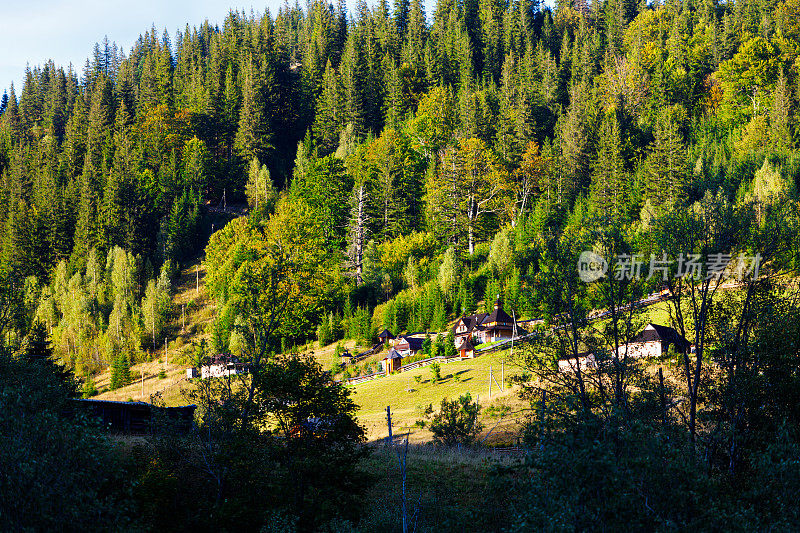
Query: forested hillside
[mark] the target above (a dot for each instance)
(340, 172)
(401, 133)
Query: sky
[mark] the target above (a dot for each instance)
(34, 31)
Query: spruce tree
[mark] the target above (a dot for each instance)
(666, 164)
(608, 180)
(253, 135)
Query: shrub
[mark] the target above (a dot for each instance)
(89, 388)
(436, 372)
(456, 422)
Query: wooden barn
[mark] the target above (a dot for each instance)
(137, 418)
(654, 341)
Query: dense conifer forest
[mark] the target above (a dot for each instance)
(340, 172)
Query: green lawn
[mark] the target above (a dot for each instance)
(658, 314)
(408, 398)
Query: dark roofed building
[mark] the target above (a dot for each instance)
(464, 346)
(484, 327)
(408, 344)
(497, 325)
(393, 361)
(467, 324)
(135, 417)
(654, 341)
(385, 336)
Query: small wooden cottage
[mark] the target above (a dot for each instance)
(465, 347)
(654, 341)
(385, 336)
(393, 361)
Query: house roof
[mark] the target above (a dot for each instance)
(385, 334)
(467, 344)
(657, 332)
(414, 343)
(498, 315)
(471, 321)
(393, 354)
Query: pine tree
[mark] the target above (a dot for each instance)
(576, 135)
(330, 114)
(196, 168)
(608, 181)
(780, 128)
(253, 135)
(666, 164)
(400, 15)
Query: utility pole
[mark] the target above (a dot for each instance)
(389, 423)
(514, 331)
(142, 393)
(401, 458)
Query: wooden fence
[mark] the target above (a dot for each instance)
(363, 355)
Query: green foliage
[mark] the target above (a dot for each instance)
(120, 371)
(436, 371)
(55, 473)
(456, 422)
(319, 442)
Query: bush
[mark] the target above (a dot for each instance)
(436, 372)
(456, 422)
(89, 388)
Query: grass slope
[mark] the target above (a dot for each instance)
(199, 313)
(408, 398)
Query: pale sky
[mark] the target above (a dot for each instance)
(33, 31)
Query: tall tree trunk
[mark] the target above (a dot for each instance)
(360, 237)
(470, 223)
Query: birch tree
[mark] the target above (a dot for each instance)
(469, 187)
